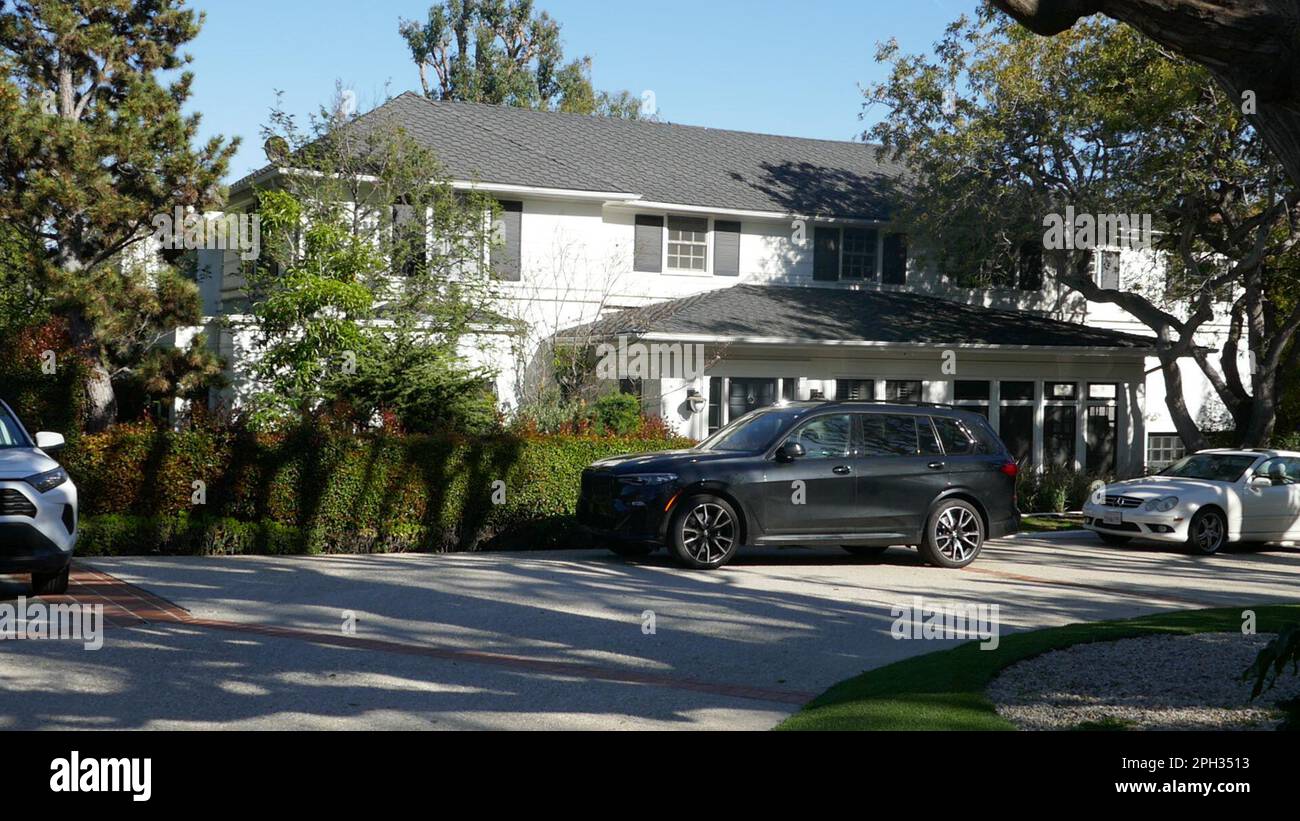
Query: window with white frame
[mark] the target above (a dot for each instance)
(688, 244)
(1163, 449)
(1106, 269)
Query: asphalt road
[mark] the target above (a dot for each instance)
(557, 640)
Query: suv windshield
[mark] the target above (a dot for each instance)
(753, 432)
(11, 433)
(1215, 467)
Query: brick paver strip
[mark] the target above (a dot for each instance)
(134, 606)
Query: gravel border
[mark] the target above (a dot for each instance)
(1165, 682)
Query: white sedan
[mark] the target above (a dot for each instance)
(1204, 501)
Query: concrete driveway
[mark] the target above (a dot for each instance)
(563, 640)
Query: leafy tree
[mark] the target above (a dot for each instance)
(501, 52)
(1249, 46)
(371, 276)
(1002, 128)
(93, 144)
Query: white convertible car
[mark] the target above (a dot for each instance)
(1205, 501)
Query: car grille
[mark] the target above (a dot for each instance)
(1122, 501)
(595, 505)
(13, 503)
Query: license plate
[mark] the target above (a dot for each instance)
(1112, 517)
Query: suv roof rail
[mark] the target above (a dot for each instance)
(908, 402)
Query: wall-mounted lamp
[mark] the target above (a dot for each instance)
(695, 400)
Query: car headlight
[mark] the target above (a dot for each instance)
(648, 479)
(1161, 505)
(44, 482)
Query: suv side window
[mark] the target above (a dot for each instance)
(890, 434)
(956, 440)
(825, 437)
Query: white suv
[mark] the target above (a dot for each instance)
(38, 507)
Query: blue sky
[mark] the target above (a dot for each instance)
(754, 65)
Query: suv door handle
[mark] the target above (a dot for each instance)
(842, 470)
(935, 466)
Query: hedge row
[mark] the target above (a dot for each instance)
(214, 491)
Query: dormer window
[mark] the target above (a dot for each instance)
(856, 254)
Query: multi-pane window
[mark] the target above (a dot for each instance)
(903, 390)
(855, 389)
(1016, 418)
(688, 244)
(859, 255)
(1163, 449)
(972, 396)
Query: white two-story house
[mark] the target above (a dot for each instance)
(721, 271)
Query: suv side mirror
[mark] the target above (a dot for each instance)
(790, 451)
(1261, 481)
(50, 442)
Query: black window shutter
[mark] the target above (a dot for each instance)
(726, 248)
(1031, 266)
(894, 265)
(826, 254)
(507, 254)
(648, 250)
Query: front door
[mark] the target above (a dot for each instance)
(815, 493)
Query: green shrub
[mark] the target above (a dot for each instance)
(617, 413)
(1055, 490)
(313, 491)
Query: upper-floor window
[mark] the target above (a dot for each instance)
(859, 257)
(1106, 270)
(682, 245)
(688, 244)
(857, 254)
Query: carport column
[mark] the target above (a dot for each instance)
(1040, 417)
(995, 401)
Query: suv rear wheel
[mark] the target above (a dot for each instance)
(705, 532)
(954, 534)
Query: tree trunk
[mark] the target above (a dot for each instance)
(1187, 428)
(1248, 45)
(101, 401)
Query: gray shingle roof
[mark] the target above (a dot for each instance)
(835, 314)
(662, 162)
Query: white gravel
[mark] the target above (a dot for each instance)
(1149, 683)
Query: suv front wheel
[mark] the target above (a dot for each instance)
(954, 534)
(705, 532)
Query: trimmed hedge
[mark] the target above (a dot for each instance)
(314, 491)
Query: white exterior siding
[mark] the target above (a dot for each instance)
(577, 265)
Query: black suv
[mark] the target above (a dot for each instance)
(860, 475)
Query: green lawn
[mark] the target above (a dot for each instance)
(945, 690)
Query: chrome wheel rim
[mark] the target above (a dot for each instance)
(957, 534)
(708, 532)
(1209, 533)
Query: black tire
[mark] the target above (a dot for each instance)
(1112, 539)
(705, 532)
(50, 584)
(865, 551)
(954, 534)
(1208, 532)
(632, 551)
